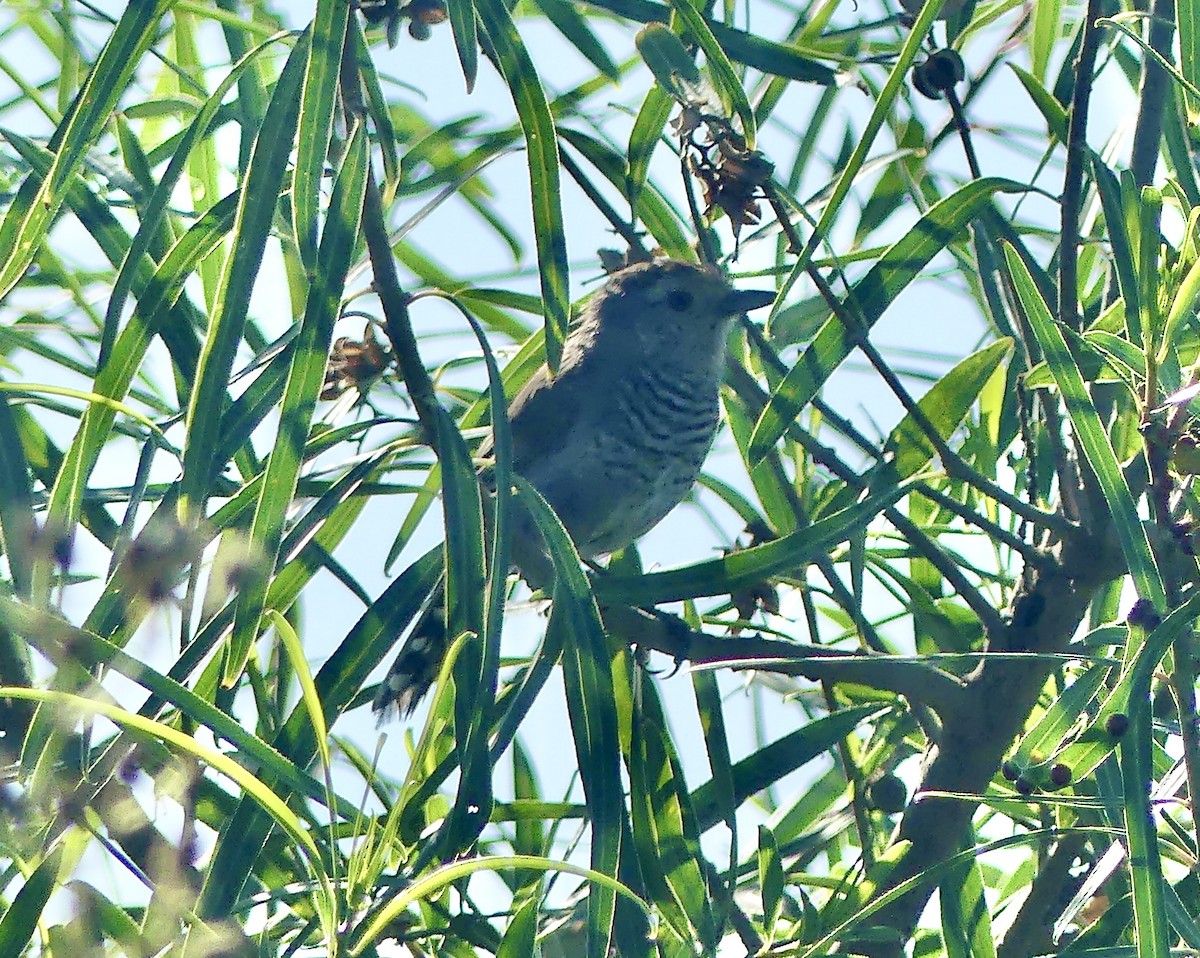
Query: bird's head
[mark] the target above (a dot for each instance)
(671, 305)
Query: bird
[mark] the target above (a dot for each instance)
(616, 438)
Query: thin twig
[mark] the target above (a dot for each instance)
(622, 228)
(775, 198)
(917, 539)
(846, 428)
(1153, 94)
(992, 530)
(954, 465)
(989, 618)
(392, 298)
(397, 323)
(1077, 156)
(964, 133)
(703, 235)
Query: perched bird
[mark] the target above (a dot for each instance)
(616, 439)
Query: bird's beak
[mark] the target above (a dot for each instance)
(738, 301)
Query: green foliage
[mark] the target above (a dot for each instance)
(962, 447)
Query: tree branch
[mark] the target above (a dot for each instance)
(999, 695)
(941, 691)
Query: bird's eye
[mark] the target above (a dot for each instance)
(679, 300)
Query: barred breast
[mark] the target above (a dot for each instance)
(661, 430)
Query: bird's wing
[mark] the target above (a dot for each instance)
(544, 413)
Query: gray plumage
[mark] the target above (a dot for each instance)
(616, 439)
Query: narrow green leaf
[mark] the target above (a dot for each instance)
(252, 786)
(649, 206)
(664, 825)
(770, 878)
(966, 922)
(1178, 142)
(41, 195)
(1187, 21)
(305, 378)
(1044, 739)
(520, 938)
(377, 106)
(156, 206)
(576, 30)
(433, 884)
(871, 297)
(1190, 88)
(16, 501)
(1047, 26)
(591, 703)
(884, 105)
(1180, 915)
(1145, 327)
(256, 210)
(710, 711)
(782, 757)
(111, 918)
(466, 40)
(24, 913)
(1124, 250)
(775, 59)
(1051, 110)
(945, 405)
(772, 484)
(541, 143)
(1141, 828)
(338, 681)
(672, 64)
(647, 130)
(529, 833)
(475, 595)
(746, 566)
(312, 540)
(308, 689)
(1118, 353)
(317, 108)
(1090, 432)
(92, 650)
(502, 455)
(466, 590)
(1096, 743)
(1183, 307)
(113, 381)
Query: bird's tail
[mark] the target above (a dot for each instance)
(420, 658)
(418, 662)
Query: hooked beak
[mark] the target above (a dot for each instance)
(738, 301)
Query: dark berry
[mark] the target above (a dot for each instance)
(939, 74)
(1143, 615)
(889, 794)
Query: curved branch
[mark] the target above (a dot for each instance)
(941, 691)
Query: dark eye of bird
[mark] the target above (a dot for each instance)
(679, 300)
